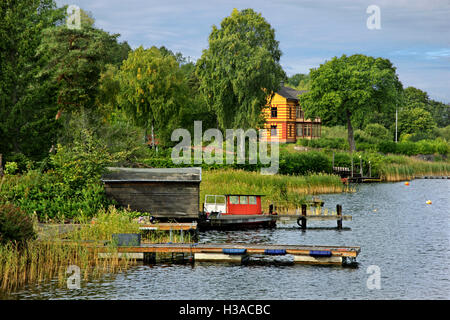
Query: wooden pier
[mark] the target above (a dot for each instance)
(167, 226)
(304, 254)
(304, 217)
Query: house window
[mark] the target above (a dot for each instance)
(273, 112)
(299, 112)
(234, 200)
(299, 130)
(243, 200)
(251, 200)
(273, 131)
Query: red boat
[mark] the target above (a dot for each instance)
(233, 211)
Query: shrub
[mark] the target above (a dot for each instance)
(387, 147)
(407, 148)
(304, 162)
(11, 167)
(15, 225)
(377, 131)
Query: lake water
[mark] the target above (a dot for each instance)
(397, 231)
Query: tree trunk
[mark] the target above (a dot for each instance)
(351, 138)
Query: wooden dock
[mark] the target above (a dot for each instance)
(304, 217)
(167, 226)
(305, 254)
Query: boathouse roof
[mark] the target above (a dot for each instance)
(121, 175)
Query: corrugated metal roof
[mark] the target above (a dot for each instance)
(118, 175)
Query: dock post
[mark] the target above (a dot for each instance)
(171, 235)
(351, 155)
(303, 218)
(181, 235)
(339, 214)
(1, 165)
(360, 167)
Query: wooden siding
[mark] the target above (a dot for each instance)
(160, 199)
(287, 122)
(172, 193)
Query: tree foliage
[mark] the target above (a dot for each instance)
(76, 58)
(240, 69)
(26, 105)
(352, 87)
(152, 88)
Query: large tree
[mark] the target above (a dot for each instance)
(76, 58)
(152, 89)
(352, 87)
(240, 69)
(27, 107)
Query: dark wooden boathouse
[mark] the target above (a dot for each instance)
(165, 193)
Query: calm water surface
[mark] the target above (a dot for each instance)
(397, 231)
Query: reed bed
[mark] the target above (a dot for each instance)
(285, 191)
(35, 262)
(48, 258)
(409, 168)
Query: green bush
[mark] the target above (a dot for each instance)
(387, 147)
(11, 167)
(407, 148)
(304, 162)
(15, 225)
(332, 143)
(378, 132)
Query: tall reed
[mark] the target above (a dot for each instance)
(406, 168)
(285, 190)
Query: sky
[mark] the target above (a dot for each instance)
(413, 34)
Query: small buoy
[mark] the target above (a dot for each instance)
(406, 183)
(429, 202)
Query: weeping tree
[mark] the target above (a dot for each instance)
(240, 69)
(152, 89)
(352, 87)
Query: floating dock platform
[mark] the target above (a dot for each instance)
(229, 252)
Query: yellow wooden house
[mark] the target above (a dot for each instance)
(285, 119)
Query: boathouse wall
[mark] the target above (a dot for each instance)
(167, 193)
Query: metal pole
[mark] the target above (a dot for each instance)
(396, 119)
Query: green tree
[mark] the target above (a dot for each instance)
(415, 121)
(152, 89)
(352, 87)
(240, 69)
(76, 58)
(27, 106)
(416, 98)
(299, 81)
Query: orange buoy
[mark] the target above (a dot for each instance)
(406, 183)
(429, 202)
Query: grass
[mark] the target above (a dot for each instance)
(285, 191)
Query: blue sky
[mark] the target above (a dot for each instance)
(414, 34)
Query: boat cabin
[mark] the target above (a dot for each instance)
(233, 204)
